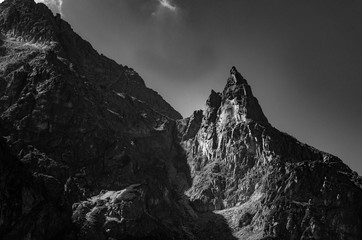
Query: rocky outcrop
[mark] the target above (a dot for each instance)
(119, 215)
(264, 182)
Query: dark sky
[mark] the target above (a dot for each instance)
(303, 59)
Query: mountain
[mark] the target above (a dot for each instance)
(32, 30)
(265, 183)
(75, 123)
(87, 151)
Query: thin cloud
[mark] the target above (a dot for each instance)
(167, 4)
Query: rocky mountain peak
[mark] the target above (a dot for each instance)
(259, 178)
(236, 76)
(28, 21)
(236, 103)
(32, 28)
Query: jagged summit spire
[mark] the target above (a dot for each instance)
(236, 77)
(235, 105)
(237, 95)
(233, 70)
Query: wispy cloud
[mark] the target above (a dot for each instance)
(167, 4)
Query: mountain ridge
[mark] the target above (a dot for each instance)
(41, 28)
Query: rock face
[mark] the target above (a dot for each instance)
(87, 151)
(32, 204)
(264, 182)
(77, 123)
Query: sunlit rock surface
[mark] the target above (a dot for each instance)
(265, 182)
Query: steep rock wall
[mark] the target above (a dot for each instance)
(263, 181)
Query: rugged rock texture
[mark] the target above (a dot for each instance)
(32, 204)
(32, 30)
(87, 151)
(264, 182)
(78, 123)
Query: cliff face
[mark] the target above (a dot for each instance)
(265, 182)
(87, 151)
(77, 123)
